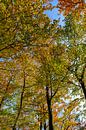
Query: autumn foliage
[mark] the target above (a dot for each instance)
(42, 65)
(67, 6)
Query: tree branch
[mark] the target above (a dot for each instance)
(3, 98)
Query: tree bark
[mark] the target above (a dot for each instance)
(49, 109)
(44, 125)
(21, 101)
(41, 125)
(14, 128)
(83, 88)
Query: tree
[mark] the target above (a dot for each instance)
(21, 25)
(19, 88)
(75, 39)
(67, 6)
(52, 74)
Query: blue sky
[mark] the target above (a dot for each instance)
(54, 14)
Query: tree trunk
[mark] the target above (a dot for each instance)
(45, 125)
(14, 128)
(49, 109)
(41, 125)
(83, 88)
(20, 107)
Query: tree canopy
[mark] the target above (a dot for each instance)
(42, 65)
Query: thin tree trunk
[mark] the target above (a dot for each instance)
(44, 125)
(83, 88)
(21, 101)
(49, 109)
(14, 129)
(82, 82)
(41, 125)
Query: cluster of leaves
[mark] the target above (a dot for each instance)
(67, 6)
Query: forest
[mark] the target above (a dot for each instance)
(42, 65)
